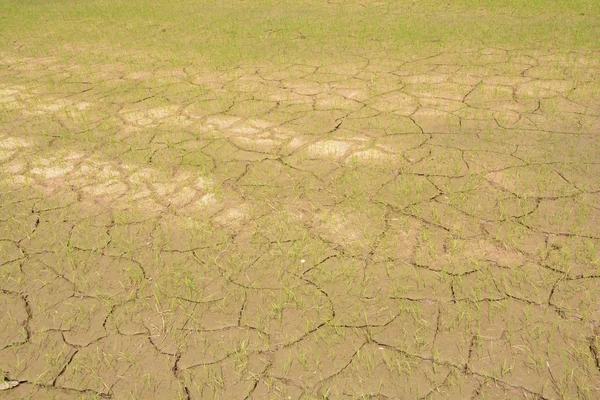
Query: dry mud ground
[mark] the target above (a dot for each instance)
(418, 228)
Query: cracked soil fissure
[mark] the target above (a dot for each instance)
(378, 229)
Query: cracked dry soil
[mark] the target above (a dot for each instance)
(390, 229)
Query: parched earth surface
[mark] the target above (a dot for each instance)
(415, 228)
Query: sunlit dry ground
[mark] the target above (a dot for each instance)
(385, 226)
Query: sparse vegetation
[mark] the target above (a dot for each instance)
(300, 199)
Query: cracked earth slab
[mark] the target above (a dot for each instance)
(397, 229)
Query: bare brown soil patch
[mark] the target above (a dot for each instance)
(387, 229)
